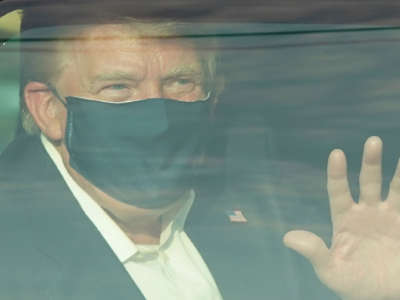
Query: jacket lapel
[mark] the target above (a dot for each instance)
(75, 261)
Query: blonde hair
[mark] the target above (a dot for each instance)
(43, 54)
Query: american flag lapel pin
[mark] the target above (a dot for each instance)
(236, 216)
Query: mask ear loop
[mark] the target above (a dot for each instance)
(206, 97)
(55, 93)
(64, 102)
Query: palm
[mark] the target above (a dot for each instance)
(363, 261)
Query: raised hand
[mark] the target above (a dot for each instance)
(363, 262)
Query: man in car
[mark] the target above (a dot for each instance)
(131, 178)
(96, 193)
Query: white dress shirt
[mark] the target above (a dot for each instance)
(173, 269)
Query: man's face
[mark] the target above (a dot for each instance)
(111, 65)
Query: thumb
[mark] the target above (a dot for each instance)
(309, 245)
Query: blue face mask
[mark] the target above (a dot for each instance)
(144, 153)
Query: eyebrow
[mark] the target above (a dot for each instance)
(127, 76)
(184, 70)
(116, 75)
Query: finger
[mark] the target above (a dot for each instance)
(308, 245)
(338, 185)
(371, 172)
(394, 191)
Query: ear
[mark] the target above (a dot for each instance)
(47, 111)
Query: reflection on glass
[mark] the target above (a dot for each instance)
(122, 174)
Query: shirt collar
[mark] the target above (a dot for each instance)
(123, 247)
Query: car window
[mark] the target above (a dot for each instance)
(288, 94)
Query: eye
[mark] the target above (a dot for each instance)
(115, 92)
(183, 81)
(183, 87)
(117, 87)
(180, 84)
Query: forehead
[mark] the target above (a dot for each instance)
(116, 42)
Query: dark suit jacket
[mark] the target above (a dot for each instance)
(50, 250)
